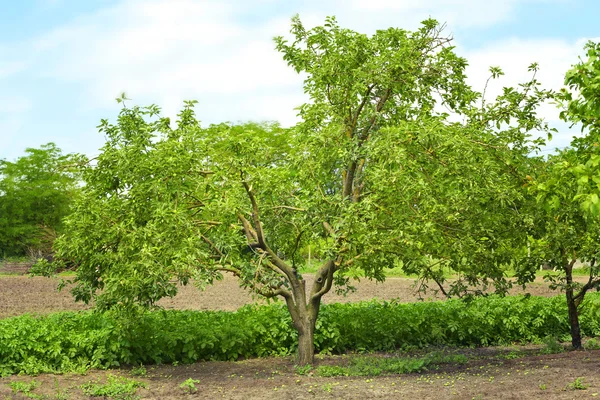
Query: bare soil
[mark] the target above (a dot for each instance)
(38, 295)
(488, 375)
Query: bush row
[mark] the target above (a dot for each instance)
(79, 340)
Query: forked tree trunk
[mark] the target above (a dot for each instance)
(304, 316)
(304, 319)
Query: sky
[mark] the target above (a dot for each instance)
(63, 62)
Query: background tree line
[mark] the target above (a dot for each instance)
(36, 193)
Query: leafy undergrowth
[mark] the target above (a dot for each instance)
(77, 341)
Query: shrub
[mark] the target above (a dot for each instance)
(72, 341)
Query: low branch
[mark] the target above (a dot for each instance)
(590, 284)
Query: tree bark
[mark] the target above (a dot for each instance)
(306, 345)
(304, 318)
(573, 321)
(573, 309)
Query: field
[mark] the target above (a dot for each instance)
(503, 373)
(16, 298)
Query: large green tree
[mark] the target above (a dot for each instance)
(163, 205)
(36, 191)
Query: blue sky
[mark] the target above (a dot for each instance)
(63, 62)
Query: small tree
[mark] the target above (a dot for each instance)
(567, 227)
(36, 192)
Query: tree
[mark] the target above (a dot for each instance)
(36, 191)
(189, 202)
(373, 148)
(567, 227)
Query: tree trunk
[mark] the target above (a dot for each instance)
(572, 307)
(306, 345)
(305, 313)
(304, 318)
(574, 322)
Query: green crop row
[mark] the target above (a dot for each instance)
(78, 340)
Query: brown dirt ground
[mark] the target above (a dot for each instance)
(24, 294)
(486, 376)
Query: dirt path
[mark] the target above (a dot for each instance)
(23, 294)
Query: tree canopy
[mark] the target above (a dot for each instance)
(377, 172)
(36, 192)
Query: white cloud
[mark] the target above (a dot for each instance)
(10, 68)
(222, 54)
(166, 52)
(457, 13)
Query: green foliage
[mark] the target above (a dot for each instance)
(592, 344)
(577, 384)
(580, 102)
(376, 175)
(189, 385)
(139, 371)
(115, 387)
(375, 366)
(72, 341)
(36, 192)
(23, 387)
(552, 346)
(564, 223)
(303, 369)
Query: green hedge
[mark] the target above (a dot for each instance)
(77, 340)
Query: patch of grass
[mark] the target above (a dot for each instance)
(592, 344)
(189, 385)
(375, 366)
(23, 387)
(511, 355)
(303, 369)
(118, 388)
(552, 346)
(577, 384)
(139, 371)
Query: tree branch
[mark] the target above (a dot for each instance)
(212, 246)
(255, 215)
(323, 281)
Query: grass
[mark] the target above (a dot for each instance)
(377, 365)
(577, 384)
(189, 385)
(115, 387)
